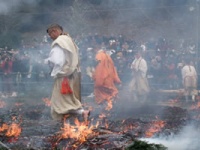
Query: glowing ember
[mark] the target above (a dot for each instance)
(47, 102)
(156, 127)
(2, 104)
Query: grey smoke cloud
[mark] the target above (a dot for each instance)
(7, 6)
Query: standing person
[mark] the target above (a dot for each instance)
(105, 77)
(139, 85)
(63, 59)
(189, 77)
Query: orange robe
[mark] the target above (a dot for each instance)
(105, 76)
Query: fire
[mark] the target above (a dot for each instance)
(2, 104)
(156, 127)
(80, 132)
(47, 102)
(12, 130)
(4, 127)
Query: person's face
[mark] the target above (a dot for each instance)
(54, 33)
(137, 55)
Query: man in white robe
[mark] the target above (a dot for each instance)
(63, 60)
(139, 86)
(189, 78)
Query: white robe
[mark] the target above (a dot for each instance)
(64, 56)
(189, 77)
(139, 84)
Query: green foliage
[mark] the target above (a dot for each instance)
(142, 145)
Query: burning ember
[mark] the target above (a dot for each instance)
(156, 126)
(12, 130)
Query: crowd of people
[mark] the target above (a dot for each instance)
(164, 59)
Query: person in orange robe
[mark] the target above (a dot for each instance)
(105, 77)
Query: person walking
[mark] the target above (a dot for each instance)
(139, 85)
(189, 79)
(64, 62)
(105, 78)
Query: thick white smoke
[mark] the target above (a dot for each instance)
(187, 139)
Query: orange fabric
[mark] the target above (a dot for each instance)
(65, 88)
(105, 77)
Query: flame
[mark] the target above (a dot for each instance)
(12, 130)
(156, 127)
(2, 104)
(4, 127)
(80, 131)
(47, 102)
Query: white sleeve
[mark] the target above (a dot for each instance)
(57, 57)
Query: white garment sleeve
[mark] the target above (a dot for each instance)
(57, 58)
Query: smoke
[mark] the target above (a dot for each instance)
(187, 139)
(7, 6)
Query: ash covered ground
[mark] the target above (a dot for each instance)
(160, 116)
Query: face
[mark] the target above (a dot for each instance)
(54, 33)
(137, 55)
